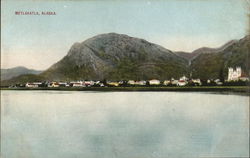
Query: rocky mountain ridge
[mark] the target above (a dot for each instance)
(116, 56)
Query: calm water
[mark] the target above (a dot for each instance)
(56, 124)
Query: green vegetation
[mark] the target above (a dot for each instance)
(234, 89)
(67, 71)
(215, 65)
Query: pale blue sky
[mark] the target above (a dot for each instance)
(39, 41)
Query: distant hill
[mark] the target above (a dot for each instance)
(16, 71)
(215, 63)
(120, 57)
(204, 50)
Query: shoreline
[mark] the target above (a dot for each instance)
(236, 89)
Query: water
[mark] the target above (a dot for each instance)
(57, 124)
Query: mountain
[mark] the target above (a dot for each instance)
(120, 57)
(214, 63)
(16, 71)
(115, 57)
(207, 63)
(197, 52)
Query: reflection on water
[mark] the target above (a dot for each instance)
(56, 124)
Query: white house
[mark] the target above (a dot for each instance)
(154, 82)
(196, 81)
(182, 81)
(89, 83)
(140, 83)
(31, 85)
(77, 84)
(218, 82)
(131, 82)
(184, 78)
(166, 82)
(173, 81)
(208, 81)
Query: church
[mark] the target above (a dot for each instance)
(236, 75)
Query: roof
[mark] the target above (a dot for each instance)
(243, 75)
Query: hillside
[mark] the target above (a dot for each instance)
(204, 50)
(16, 71)
(215, 64)
(115, 57)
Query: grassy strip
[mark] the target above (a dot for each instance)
(242, 89)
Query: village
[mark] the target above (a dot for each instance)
(234, 76)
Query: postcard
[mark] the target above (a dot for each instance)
(125, 78)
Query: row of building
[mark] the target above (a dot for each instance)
(154, 82)
(233, 75)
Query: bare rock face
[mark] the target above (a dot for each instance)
(116, 56)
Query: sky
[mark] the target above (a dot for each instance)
(38, 41)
